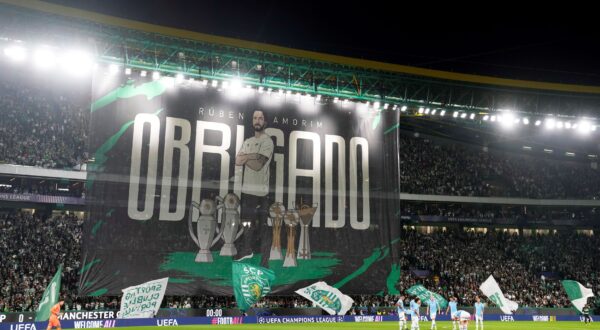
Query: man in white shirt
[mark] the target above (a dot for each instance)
(255, 156)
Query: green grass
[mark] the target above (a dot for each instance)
(385, 326)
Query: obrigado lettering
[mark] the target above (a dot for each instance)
(358, 167)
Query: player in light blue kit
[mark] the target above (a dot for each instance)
(401, 313)
(415, 304)
(432, 310)
(452, 308)
(463, 318)
(479, 307)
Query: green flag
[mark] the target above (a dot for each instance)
(577, 293)
(250, 283)
(50, 297)
(424, 294)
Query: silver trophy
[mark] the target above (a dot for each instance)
(291, 220)
(305, 213)
(230, 223)
(207, 224)
(276, 213)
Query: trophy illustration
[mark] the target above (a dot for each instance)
(230, 222)
(276, 212)
(207, 224)
(291, 220)
(305, 213)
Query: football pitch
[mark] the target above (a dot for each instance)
(385, 326)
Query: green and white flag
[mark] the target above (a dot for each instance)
(50, 297)
(327, 297)
(424, 294)
(491, 290)
(250, 283)
(577, 293)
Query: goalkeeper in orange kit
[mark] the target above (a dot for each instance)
(54, 311)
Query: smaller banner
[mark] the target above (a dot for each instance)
(491, 290)
(577, 293)
(142, 301)
(250, 283)
(424, 294)
(327, 297)
(50, 297)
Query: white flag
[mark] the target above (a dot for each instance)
(327, 297)
(491, 290)
(143, 301)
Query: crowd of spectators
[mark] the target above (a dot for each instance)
(441, 167)
(456, 263)
(43, 123)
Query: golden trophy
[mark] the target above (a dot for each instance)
(305, 213)
(277, 213)
(291, 220)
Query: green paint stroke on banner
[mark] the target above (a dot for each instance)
(392, 279)
(367, 262)
(391, 129)
(97, 226)
(89, 265)
(100, 155)
(180, 280)
(218, 272)
(98, 292)
(149, 89)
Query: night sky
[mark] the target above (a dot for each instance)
(503, 40)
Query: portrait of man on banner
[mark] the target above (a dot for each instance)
(255, 156)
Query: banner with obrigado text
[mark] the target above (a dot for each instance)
(186, 177)
(330, 299)
(425, 295)
(143, 300)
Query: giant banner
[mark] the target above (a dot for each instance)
(188, 176)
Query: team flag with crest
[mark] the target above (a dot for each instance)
(327, 297)
(250, 283)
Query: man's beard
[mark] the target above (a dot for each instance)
(259, 128)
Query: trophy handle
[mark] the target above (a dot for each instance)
(190, 216)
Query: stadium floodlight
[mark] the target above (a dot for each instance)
(463, 115)
(403, 109)
(584, 127)
(335, 100)
(568, 125)
(261, 89)
(538, 122)
(269, 90)
(559, 124)
(44, 58)
(550, 123)
(280, 92)
(486, 117)
(16, 53)
(155, 75)
(433, 112)
(443, 113)
(455, 114)
(427, 111)
(127, 71)
(472, 116)
(225, 85)
(376, 104)
(288, 92)
(179, 77)
(493, 118)
(421, 110)
(318, 97)
(77, 62)
(113, 69)
(548, 151)
(386, 106)
(236, 84)
(525, 121)
(214, 83)
(205, 82)
(143, 73)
